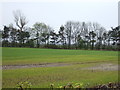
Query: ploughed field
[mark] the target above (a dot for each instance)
(42, 67)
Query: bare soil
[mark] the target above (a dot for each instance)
(104, 66)
(33, 65)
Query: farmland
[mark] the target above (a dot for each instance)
(60, 66)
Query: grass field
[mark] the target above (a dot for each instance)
(42, 76)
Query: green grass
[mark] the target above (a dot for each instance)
(13, 56)
(42, 76)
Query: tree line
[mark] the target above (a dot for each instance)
(71, 35)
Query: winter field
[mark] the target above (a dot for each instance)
(42, 67)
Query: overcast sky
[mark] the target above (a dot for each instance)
(56, 14)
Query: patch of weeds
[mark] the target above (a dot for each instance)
(81, 86)
(24, 85)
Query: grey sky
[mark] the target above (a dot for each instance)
(119, 13)
(57, 13)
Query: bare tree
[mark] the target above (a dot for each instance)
(100, 33)
(42, 32)
(68, 30)
(76, 33)
(20, 19)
